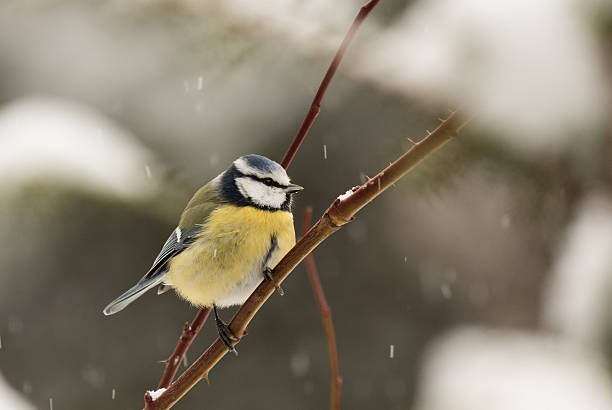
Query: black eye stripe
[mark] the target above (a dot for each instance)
(266, 181)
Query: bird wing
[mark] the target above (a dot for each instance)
(203, 202)
(177, 242)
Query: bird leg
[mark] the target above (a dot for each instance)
(225, 334)
(268, 275)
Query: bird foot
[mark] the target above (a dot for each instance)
(226, 336)
(225, 333)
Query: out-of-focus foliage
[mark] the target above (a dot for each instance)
(113, 113)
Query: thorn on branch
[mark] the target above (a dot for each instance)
(410, 139)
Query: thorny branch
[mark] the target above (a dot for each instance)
(285, 162)
(189, 333)
(340, 212)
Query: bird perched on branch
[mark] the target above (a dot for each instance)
(232, 232)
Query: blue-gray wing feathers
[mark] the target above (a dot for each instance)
(178, 241)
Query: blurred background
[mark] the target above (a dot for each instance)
(482, 280)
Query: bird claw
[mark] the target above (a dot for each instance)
(225, 333)
(226, 336)
(268, 275)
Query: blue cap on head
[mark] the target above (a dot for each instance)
(260, 162)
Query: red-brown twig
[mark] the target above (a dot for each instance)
(315, 107)
(187, 336)
(340, 212)
(328, 324)
(306, 124)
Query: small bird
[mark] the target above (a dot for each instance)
(234, 230)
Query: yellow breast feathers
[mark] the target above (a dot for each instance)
(225, 263)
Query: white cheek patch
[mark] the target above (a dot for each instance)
(241, 184)
(261, 194)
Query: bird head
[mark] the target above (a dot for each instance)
(254, 180)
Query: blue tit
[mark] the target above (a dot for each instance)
(232, 232)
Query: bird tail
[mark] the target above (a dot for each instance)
(132, 294)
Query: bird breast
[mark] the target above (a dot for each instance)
(225, 263)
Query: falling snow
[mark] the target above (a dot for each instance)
(446, 291)
(324, 151)
(148, 171)
(391, 351)
(300, 363)
(505, 221)
(113, 394)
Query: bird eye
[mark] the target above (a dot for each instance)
(268, 181)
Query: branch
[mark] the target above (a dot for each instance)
(315, 107)
(187, 336)
(328, 324)
(341, 211)
(285, 162)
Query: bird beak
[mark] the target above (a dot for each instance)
(293, 188)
